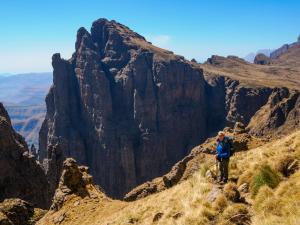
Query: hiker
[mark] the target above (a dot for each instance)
(224, 151)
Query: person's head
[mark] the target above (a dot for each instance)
(221, 135)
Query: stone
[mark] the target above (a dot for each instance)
(15, 212)
(239, 128)
(59, 219)
(210, 175)
(177, 215)
(157, 217)
(74, 180)
(262, 59)
(243, 188)
(293, 167)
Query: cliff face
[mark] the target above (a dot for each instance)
(123, 107)
(20, 175)
(130, 110)
(265, 111)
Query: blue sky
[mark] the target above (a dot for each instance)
(32, 30)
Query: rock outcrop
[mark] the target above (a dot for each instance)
(20, 174)
(18, 212)
(262, 59)
(123, 107)
(279, 115)
(283, 49)
(74, 180)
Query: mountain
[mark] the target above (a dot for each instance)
(130, 110)
(24, 98)
(250, 57)
(20, 176)
(283, 49)
(25, 89)
(125, 108)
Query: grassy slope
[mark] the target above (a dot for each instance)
(283, 72)
(190, 201)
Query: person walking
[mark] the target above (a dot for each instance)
(224, 151)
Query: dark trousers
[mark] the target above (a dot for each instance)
(223, 169)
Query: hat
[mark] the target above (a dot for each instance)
(221, 133)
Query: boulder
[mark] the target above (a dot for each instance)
(74, 180)
(243, 188)
(239, 128)
(262, 59)
(194, 61)
(15, 212)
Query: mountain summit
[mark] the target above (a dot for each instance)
(125, 108)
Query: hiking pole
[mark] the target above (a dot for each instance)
(217, 169)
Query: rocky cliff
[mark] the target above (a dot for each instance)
(20, 174)
(123, 107)
(130, 110)
(283, 49)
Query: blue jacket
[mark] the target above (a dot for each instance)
(223, 148)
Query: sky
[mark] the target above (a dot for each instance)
(33, 30)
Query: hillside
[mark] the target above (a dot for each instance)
(283, 72)
(197, 200)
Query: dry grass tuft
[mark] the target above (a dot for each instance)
(220, 203)
(282, 164)
(236, 214)
(245, 177)
(231, 192)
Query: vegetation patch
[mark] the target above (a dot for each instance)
(264, 176)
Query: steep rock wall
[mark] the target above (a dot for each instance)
(20, 174)
(123, 107)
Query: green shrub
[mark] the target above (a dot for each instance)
(264, 176)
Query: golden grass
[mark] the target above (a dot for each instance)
(284, 72)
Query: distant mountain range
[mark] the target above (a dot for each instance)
(250, 57)
(24, 98)
(24, 89)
